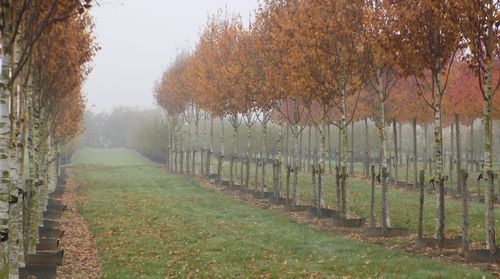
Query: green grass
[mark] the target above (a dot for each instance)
(151, 225)
(403, 204)
(109, 157)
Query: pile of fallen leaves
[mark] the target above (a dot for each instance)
(80, 253)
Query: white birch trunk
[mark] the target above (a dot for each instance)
(385, 215)
(5, 147)
(488, 159)
(438, 159)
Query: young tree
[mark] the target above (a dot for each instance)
(478, 22)
(424, 41)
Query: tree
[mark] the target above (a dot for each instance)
(478, 22)
(426, 40)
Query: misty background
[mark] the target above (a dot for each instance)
(139, 39)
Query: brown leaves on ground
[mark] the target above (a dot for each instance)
(80, 253)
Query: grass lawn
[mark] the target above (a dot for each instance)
(403, 204)
(151, 225)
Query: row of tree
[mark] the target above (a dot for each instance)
(46, 46)
(322, 63)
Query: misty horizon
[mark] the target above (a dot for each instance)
(125, 77)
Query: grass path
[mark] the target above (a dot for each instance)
(151, 225)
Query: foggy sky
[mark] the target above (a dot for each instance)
(139, 38)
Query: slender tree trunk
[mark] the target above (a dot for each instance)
(234, 156)
(384, 223)
(488, 159)
(264, 154)
(337, 184)
(383, 159)
(407, 175)
(322, 160)
(366, 168)
(452, 152)
(396, 158)
(301, 152)
(248, 159)
(221, 154)
(372, 198)
(296, 164)
(351, 165)
(309, 148)
(438, 158)
(287, 144)
(400, 146)
(459, 153)
(196, 141)
(329, 150)
(472, 146)
(339, 148)
(345, 150)
(465, 211)
(420, 229)
(314, 196)
(33, 154)
(288, 170)
(279, 163)
(211, 147)
(426, 148)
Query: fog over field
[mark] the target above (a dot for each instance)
(138, 40)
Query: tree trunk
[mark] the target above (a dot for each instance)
(322, 158)
(488, 159)
(452, 151)
(309, 148)
(329, 150)
(384, 222)
(234, 156)
(396, 158)
(279, 163)
(351, 165)
(15, 217)
(438, 158)
(426, 148)
(471, 158)
(211, 147)
(407, 175)
(366, 169)
(288, 171)
(287, 145)
(339, 149)
(372, 198)
(196, 146)
(400, 144)
(420, 229)
(247, 160)
(5, 149)
(383, 157)
(459, 152)
(345, 149)
(221, 154)
(256, 176)
(301, 152)
(314, 196)
(264, 155)
(296, 166)
(465, 213)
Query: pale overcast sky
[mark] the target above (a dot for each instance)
(139, 38)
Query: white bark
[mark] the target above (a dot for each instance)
(4, 149)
